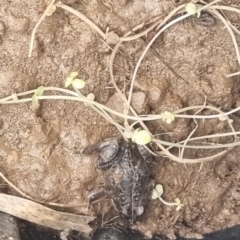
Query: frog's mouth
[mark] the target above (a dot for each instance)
(135, 213)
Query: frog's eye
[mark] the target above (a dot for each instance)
(139, 210)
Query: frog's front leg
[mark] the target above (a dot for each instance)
(96, 194)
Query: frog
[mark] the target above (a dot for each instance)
(126, 168)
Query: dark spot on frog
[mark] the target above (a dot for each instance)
(127, 173)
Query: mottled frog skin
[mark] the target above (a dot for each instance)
(126, 168)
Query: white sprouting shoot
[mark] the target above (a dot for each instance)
(167, 117)
(72, 80)
(157, 193)
(191, 8)
(141, 137)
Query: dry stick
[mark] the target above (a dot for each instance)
(193, 131)
(37, 25)
(41, 215)
(35, 200)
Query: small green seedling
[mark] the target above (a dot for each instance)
(39, 92)
(75, 82)
(191, 8)
(167, 117)
(141, 137)
(157, 193)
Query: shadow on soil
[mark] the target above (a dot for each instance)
(29, 231)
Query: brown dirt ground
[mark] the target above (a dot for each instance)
(41, 154)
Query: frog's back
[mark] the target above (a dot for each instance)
(130, 190)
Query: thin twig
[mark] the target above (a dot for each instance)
(123, 97)
(147, 48)
(37, 25)
(193, 131)
(135, 118)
